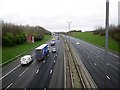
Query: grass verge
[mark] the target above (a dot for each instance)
(11, 52)
(97, 40)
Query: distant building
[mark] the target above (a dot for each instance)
(119, 13)
(30, 38)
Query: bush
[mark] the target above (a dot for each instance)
(16, 34)
(8, 39)
(114, 32)
(20, 38)
(116, 36)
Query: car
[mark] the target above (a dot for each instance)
(53, 50)
(26, 59)
(52, 43)
(77, 43)
(58, 38)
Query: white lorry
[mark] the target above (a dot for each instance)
(26, 59)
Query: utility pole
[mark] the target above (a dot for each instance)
(106, 43)
(119, 13)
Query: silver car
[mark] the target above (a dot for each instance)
(53, 50)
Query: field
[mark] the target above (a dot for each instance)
(11, 52)
(97, 40)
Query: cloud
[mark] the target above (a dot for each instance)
(54, 14)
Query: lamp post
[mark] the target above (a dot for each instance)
(106, 42)
(69, 29)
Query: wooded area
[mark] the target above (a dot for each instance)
(16, 34)
(114, 32)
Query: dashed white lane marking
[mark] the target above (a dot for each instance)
(33, 62)
(51, 71)
(37, 71)
(25, 89)
(108, 77)
(56, 55)
(23, 72)
(118, 63)
(44, 88)
(108, 64)
(9, 86)
(54, 61)
(44, 61)
(32, 55)
(67, 67)
(95, 64)
(9, 72)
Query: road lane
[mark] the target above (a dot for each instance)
(57, 79)
(28, 76)
(42, 79)
(94, 58)
(16, 74)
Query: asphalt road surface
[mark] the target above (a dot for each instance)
(104, 71)
(48, 73)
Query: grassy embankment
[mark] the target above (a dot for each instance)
(11, 52)
(97, 40)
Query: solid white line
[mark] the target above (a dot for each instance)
(51, 71)
(108, 52)
(37, 71)
(10, 72)
(44, 61)
(108, 77)
(23, 72)
(113, 54)
(9, 86)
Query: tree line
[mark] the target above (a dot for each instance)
(16, 34)
(114, 32)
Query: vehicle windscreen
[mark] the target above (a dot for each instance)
(38, 52)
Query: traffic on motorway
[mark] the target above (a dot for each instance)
(44, 66)
(104, 71)
(40, 53)
(39, 63)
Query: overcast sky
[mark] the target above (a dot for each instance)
(54, 14)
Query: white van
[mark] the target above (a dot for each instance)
(26, 59)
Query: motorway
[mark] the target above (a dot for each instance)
(104, 71)
(48, 73)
